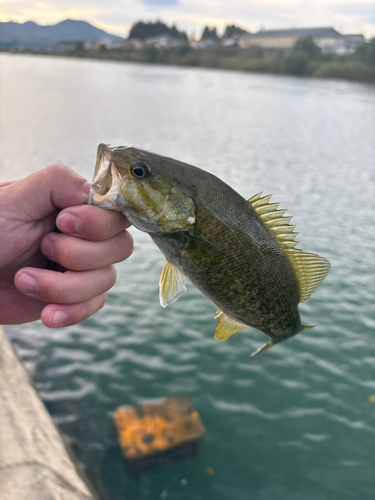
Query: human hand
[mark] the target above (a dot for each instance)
(90, 242)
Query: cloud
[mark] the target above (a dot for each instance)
(161, 3)
(118, 16)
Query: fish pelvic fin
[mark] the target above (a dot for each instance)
(309, 269)
(171, 284)
(226, 327)
(263, 348)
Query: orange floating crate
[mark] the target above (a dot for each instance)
(150, 432)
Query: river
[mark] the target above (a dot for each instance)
(297, 422)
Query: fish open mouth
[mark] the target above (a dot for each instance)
(106, 185)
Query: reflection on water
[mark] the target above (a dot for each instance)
(294, 423)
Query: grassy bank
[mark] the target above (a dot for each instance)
(355, 67)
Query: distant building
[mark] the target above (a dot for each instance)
(207, 43)
(164, 41)
(105, 42)
(327, 39)
(65, 46)
(117, 44)
(230, 43)
(134, 43)
(350, 43)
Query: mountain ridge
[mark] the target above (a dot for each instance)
(30, 35)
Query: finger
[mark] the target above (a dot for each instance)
(91, 223)
(80, 255)
(55, 186)
(64, 288)
(55, 315)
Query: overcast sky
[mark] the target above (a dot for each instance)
(117, 16)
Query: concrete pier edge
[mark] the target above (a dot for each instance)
(34, 461)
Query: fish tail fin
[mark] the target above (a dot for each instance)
(264, 348)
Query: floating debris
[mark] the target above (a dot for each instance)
(148, 433)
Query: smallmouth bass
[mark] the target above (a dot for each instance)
(240, 254)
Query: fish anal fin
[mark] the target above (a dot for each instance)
(270, 343)
(263, 348)
(227, 326)
(171, 284)
(306, 327)
(309, 269)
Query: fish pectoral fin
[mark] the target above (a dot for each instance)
(171, 284)
(264, 348)
(227, 326)
(210, 244)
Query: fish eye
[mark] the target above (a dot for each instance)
(140, 170)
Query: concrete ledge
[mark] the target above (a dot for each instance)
(34, 462)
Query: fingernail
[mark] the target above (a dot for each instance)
(47, 247)
(59, 318)
(68, 223)
(86, 187)
(28, 285)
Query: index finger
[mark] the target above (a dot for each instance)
(55, 186)
(91, 223)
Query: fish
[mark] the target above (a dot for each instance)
(239, 253)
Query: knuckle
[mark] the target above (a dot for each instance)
(73, 259)
(103, 299)
(62, 293)
(55, 290)
(86, 309)
(129, 244)
(62, 172)
(105, 231)
(124, 245)
(66, 253)
(56, 168)
(112, 276)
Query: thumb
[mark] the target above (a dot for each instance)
(41, 193)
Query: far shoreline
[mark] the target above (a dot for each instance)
(345, 69)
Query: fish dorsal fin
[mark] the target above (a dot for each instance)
(171, 284)
(309, 269)
(275, 220)
(227, 326)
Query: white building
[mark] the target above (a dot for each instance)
(164, 41)
(327, 39)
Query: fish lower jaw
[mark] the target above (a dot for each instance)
(105, 202)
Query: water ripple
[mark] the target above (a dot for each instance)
(296, 422)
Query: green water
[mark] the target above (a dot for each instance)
(295, 423)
